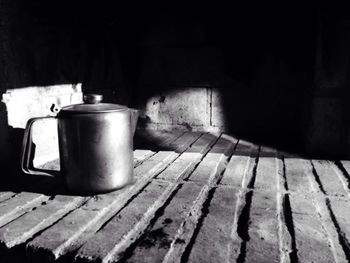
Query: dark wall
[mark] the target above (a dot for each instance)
(46, 43)
(271, 62)
(328, 130)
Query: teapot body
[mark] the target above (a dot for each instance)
(96, 151)
(95, 144)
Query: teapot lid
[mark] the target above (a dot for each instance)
(92, 104)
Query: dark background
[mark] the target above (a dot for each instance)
(282, 68)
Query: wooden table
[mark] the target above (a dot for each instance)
(199, 197)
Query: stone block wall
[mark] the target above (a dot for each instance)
(19, 105)
(185, 108)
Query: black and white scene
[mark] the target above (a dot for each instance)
(189, 133)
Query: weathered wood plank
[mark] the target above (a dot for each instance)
(183, 142)
(236, 170)
(296, 176)
(188, 227)
(263, 229)
(240, 165)
(284, 235)
(160, 137)
(154, 246)
(200, 221)
(207, 166)
(221, 145)
(340, 213)
(187, 161)
(328, 178)
(239, 230)
(18, 205)
(343, 175)
(335, 240)
(266, 178)
(246, 148)
(20, 230)
(204, 141)
(318, 200)
(219, 154)
(312, 243)
(346, 165)
(181, 167)
(212, 243)
(81, 224)
(141, 155)
(127, 226)
(6, 195)
(167, 137)
(175, 170)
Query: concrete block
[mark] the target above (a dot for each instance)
(186, 107)
(217, 109)
(29, 102)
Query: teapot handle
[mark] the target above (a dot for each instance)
(27, 147)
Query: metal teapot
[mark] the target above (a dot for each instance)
(95, 145)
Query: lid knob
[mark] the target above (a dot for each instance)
(92, 98)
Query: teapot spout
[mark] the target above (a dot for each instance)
(134, 115)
